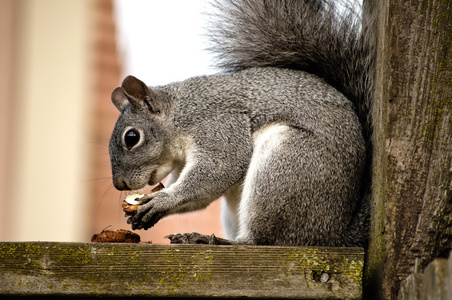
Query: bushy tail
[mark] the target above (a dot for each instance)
(327, 38)
(324, 37)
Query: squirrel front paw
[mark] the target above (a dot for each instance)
(155, 207)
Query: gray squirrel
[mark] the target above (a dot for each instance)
(284, 134)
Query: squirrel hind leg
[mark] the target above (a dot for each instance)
(252, 224)
(290, 197)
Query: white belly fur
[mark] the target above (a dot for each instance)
(236, 203)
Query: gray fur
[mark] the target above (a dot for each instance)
(287, 148)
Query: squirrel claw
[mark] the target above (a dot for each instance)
(197, 238)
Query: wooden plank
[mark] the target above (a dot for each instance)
(432, 284)
(411, 287)
(412, 155)
(98, 269)
(434, 279)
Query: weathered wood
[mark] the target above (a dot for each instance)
(412, 167)
(411, 287)
(98, 269)
(434, 283)
(448, 280)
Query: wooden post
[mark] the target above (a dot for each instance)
(435, 283)
(120, 270)
(412, 169)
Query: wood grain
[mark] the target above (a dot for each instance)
(412, 167)
(81, 269)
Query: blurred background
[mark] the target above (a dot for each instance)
(59, 62)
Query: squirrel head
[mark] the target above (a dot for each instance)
(139, 144)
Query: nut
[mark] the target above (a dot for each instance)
(116, 236)
(131, 203)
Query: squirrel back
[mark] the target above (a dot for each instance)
(322, 37)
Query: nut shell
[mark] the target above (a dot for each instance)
(116, 236)
(131, 209)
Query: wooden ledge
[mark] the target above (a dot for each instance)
(118, 270)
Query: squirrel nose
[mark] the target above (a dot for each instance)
(120, 184)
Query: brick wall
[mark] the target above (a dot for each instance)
(106, 201)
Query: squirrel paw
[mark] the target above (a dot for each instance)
(155, 207)
(197, 238)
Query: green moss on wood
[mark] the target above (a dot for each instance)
(318, 263)
(188, 270)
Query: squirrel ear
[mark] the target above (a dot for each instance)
(134, 88)
(119, 99)
(139, 94)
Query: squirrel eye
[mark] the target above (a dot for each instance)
(131, 138)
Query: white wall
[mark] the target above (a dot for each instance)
(48, 198)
